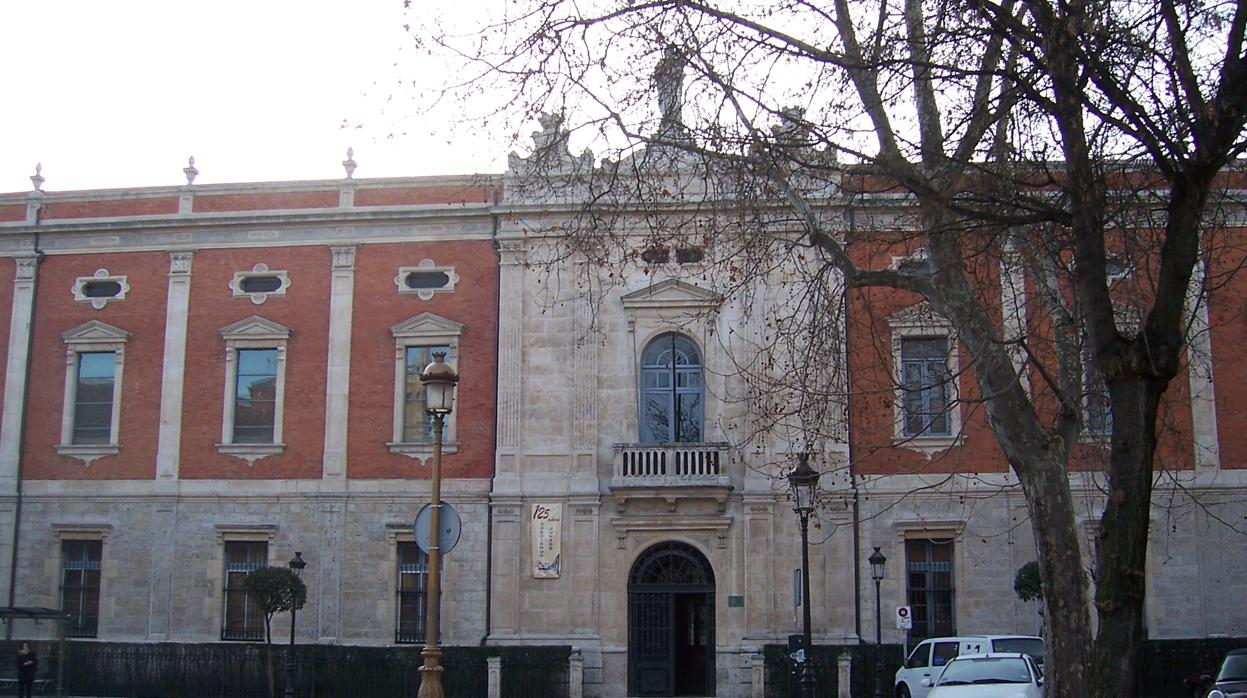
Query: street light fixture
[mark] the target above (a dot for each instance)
(296, 565)
(877, 560)
(803, 485)
(439, 381)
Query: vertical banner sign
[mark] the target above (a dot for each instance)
(547, 536)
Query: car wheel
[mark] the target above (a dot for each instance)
(902, 691)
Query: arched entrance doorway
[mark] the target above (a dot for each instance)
(671, 623)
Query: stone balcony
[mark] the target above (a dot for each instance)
(671, 472)
(681, 486)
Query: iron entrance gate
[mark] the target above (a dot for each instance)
(671, 623)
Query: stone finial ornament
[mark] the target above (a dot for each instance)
(37, 178)
(349, 163)
(190, 171)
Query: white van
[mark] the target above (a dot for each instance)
(929, 657)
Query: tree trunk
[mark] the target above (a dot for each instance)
(268, 651)
(1068, 636)
(1123, 536)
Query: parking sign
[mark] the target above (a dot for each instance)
(904, 619)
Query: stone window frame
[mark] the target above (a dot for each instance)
(62, 532)
(91, 337)
(259, 270)
(426, 265)
(423, 330)
(101, 275)
(917, 322)
(253, 332)
(675, 306)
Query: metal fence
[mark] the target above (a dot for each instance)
(239, 670)
(1163, 667)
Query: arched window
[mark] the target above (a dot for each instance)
(671, 391)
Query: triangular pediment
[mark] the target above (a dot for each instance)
(95, 331)
(671, 293)
(427, 325)
(917, 315)
(255, 327)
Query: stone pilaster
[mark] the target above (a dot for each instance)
(1199, 373)
(160, 572)
(20, 318)
(512, 254)
(338, 378)
(173, 374)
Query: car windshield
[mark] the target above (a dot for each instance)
(1026, 645)
(1234, 668)
(985, 670)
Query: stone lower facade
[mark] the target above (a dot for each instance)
(163, 568)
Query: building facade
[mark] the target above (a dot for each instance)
(206, 379)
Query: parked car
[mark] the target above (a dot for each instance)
(995, 675)
(1232, 678)
(927, 660)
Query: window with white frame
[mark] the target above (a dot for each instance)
(672, 391)
(925, 387)
(1097, 413)
(255, 381)
(924, 353)
(426, 279)
(415, 341)
(91, 407)
(100, 288)
(260, 283)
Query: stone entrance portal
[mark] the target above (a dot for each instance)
(671, 647)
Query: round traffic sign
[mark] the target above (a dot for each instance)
(448, 523)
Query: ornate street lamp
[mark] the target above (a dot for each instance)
(803, 487)
(439, 381)
(877, 561)
(296, 565)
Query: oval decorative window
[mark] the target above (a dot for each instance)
(101, 289)
(260, 284)
(417, 280)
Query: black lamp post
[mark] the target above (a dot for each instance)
(439, 400)
(296, 565)
(877, 561)
(803, 486)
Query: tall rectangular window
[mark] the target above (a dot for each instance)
(925, 387)
(243, 618)
(417, 424)
(413, 585)
(93, 398)
(80, 586)
(255, 397)
(929, 587)
(1097, 410)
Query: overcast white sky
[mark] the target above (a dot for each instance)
(118, 93)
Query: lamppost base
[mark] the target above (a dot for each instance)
(431, 674)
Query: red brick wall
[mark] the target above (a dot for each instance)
(142, 314)
(396, 196)
(210, 203)
(378, 307)
(1227, 310)
(110, 208)
(304, 310)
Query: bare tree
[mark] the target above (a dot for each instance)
(1048, 138)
